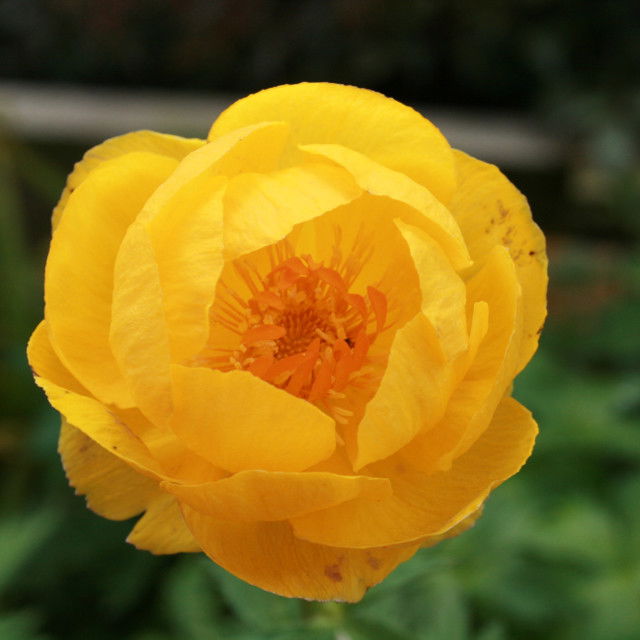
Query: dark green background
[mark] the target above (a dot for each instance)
(557, 552)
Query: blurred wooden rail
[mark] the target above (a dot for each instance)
(86, 115)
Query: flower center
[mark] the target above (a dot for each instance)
(300, 328)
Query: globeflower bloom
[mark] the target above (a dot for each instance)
(291, 345)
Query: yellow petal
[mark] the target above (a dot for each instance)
(428, 505)
(266, 554)
(79, 271)
(385, 130)
(259, 152)
(160, 143)
(46, 364)
(112, 488)
(239, 422)
(381, 181)
(411, 397)
(188, 245)
(177, 461)
(162, 529)
(206, 160)
(261, 209)
(101, 425)
(184, 219)
(490, 212)
(444, 295)
(490, 374)
(362, 234)
(139, 337)
(252, 496)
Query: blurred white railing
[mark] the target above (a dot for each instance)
(86, 115)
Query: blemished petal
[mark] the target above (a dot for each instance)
(112, 488)
(261, 209)
(79, 271)
(101, 425)
(379, 180)
(162, 529)
(252, 496)
(239, 422)
(489, 375)
(385, 130)
(444, 294)
(427, 505)
(138, 336)
(490, 212)
(269, 556)
(160, 143)
(412, 394)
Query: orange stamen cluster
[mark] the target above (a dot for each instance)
(301, 329)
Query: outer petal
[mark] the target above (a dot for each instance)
(427, 505)
(177, 461)
(98, 423)
(381, 181)
(261, 209)
(47, 366)
(160, 143)
(162, 528)
(490, 212)
(267, 555)
(252, 496)
(113, 489)
(490, 374)
(45, 363)
(238, 422)
(444, 295)
(138, 336)
(383, 129)
(79, 272)
(412, 394)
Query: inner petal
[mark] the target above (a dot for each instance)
(315, 314)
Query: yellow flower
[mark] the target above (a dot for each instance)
(291, 345)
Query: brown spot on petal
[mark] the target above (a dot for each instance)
(374, 563)
(332, 571)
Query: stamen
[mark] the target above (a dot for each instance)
(300, 328)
